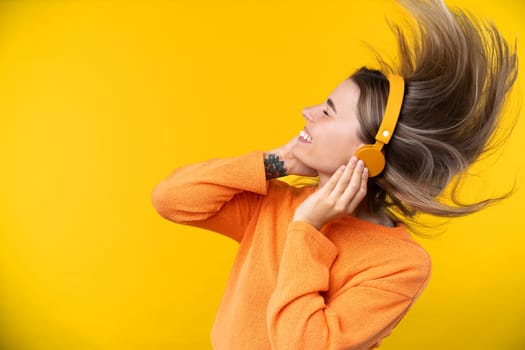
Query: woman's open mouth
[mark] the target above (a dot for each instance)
(305, 137)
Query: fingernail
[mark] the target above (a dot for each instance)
(365, 172)
(360, 164)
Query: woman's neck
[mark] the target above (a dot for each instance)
(379, 217)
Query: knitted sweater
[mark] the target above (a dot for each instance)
(292, 286)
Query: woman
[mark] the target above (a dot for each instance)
(333, 266)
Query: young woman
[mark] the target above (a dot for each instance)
(333, 266)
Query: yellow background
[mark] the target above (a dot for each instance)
(100, 100)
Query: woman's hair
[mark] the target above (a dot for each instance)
(458, 71)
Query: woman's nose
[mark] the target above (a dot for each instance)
(309, 114)
(306, 115)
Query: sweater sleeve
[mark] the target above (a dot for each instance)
(220, 194)
(358, 317)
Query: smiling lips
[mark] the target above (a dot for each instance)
(305, 137)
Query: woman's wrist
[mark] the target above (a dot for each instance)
(281, 161)
(316, 225)
(274, 165)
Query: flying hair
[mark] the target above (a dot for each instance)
(458, 72)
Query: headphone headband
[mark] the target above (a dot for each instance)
(392, 109)
(371, 154)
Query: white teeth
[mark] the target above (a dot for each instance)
(305, 136)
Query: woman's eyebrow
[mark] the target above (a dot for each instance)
(330, 104)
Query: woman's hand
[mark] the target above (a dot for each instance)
(339, 197)
(291, 165)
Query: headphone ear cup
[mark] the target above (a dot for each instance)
(373, 158)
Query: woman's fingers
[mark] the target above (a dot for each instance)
(334, 180)
(344, 179)
(345, 189)
(356, 189)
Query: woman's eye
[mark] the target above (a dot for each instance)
(325, 113)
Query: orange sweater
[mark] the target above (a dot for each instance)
(291, 286)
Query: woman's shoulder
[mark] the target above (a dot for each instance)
(382, 251)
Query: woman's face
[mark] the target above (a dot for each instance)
(331, 134)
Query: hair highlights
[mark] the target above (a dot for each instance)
(458, 72)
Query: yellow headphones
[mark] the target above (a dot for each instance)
(371, 154)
